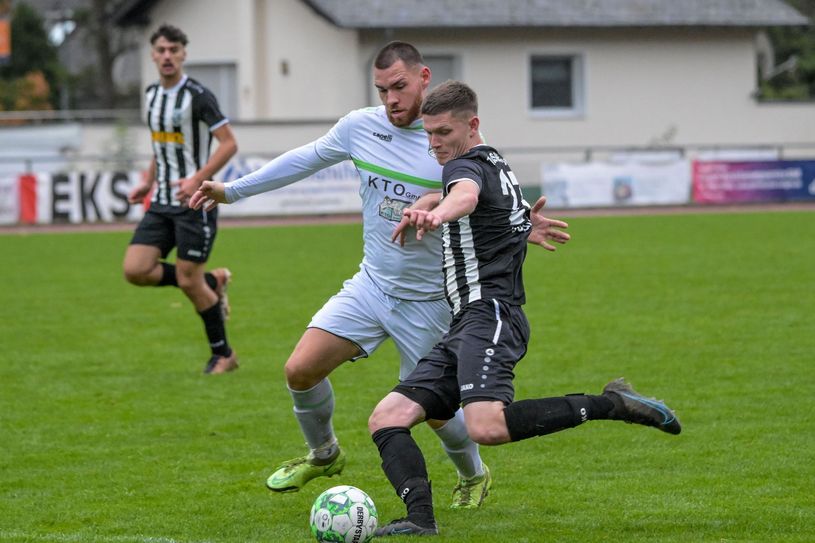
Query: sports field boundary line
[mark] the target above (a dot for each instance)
(356, 218)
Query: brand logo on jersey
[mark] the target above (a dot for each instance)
(468, 386)
(431, 152)
(383, 137)
(168, 137)
(522, 227)
(391, 186)
(495, 158)
(178, 116)
(391, 209)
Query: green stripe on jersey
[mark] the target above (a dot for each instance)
(398, 176)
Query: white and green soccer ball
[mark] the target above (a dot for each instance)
(343, 514)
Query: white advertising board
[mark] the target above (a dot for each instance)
(332, 190)
(606, 184)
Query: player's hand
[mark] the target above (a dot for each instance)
(137, 195)
(423, 221)
(186, 188)
(208, 195)
(545, 230)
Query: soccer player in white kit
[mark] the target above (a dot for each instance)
(398, 292)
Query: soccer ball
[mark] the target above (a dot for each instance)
(343, 514)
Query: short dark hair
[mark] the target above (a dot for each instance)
(170, 33)
(453, 96)
(397, 50)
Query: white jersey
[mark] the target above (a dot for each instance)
(395, 168)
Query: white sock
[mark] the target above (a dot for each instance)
(314, 408)
(462, 450)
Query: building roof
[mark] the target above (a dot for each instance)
(373, 14)
(376, 14)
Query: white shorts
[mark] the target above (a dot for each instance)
(365, 315)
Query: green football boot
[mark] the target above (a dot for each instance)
(470, 493)
(293, 475)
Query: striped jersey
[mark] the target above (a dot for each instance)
(485, 250)
(395, 168)
(181, 120)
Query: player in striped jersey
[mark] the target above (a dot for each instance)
(485, 223)
(397, 293)
(183, 117)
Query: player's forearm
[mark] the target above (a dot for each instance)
(461, 201)
(225, 151)
(284, 170)
(428, 201)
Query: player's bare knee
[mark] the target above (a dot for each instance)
(135, 275)
(386, 417)
(190, 283)
(376, 421)
(301, 376)
(486, 426)
(395, 410)
(487, 434)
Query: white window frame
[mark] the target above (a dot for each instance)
(578, 109)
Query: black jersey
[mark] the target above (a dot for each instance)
(181, 120)
(484, 251)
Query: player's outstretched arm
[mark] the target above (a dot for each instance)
(460, 201)
(427, 201)
(208, 195)
(545, 230)
(419, 219)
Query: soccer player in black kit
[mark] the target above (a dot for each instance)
(182, 116)
(485, 223)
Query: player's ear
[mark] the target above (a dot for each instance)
(475, 122)
(425, 75)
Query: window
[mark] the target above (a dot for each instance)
(221, 79)
(556, 85)
(443, 67)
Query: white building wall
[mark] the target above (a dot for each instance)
(311, 66)
(290, 62)
(683, 87)
(210, 26)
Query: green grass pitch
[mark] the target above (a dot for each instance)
(110, 433)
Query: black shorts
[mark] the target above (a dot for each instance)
(192, 231)
(473, 362)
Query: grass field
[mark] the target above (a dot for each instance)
(110, 433)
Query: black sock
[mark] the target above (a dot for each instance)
(404, 465)
(530, 418)
(168, 278)
(215, 329)
(211, 281)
